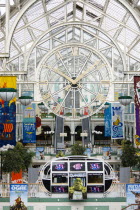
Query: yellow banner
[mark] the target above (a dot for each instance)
(8, 82)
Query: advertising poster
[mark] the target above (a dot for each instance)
(117, 121)
(29, 132)
(106, 153)
(8, 113)
(88, 152)
(40, 153)
(18, 196)
(107, 121)
(137, 108)
(133, 194)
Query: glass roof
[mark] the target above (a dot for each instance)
(42, 19)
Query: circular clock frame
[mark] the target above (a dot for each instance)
(74, 80)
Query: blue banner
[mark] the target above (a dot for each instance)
(18, 196)
(7, 113)
(29, 124)
(117, 121)
(29, 132)
(132, 193)
(29, 114)
(107, 121)
(7, 123)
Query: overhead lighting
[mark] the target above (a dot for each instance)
(106, 105)
(42, 107)
(25, 100)
(125, 100)
(7, 94)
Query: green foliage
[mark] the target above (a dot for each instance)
(60, 154)
(129, 157)
(138, 164)
(51, 114)
(68, 114)
(77, 149)
(16, 159)
(125, 142)
(119, 141)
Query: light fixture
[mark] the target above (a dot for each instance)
(106, 105)
(25, 100)
(7, 94)
(125, 100)
(42, 107)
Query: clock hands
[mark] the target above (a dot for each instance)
(61, 73)
(74, 81)
(86, 72)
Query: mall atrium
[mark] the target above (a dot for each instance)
(70, 95)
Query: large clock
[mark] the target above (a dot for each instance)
(74, 80)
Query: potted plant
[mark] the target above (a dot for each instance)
(129, 159)
(77, 149)
(16, 159)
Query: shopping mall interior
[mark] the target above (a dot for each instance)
(69, 104)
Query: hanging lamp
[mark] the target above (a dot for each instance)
(25, 100)
(42, 107)
(106, 105)
(125, 100)
(7, 94)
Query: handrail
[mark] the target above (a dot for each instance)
(130, 205)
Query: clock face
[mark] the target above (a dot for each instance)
(74, 81)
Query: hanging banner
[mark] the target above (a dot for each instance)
(107, 121)
(29, 114)
(8, 113)
(18, 196)
(133, 194)
(137, 108)
(29, 124)
(29, 132)
(16, 178)
(117, 121)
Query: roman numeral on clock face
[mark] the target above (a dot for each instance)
(57, 108)
(101, 97)
(73, 113)
(46, 97)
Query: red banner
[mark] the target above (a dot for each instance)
(16, 178)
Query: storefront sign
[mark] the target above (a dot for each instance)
(77, 175)
(77, 195)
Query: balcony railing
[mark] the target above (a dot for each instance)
(38, 190)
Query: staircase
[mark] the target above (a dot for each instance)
(132, 207)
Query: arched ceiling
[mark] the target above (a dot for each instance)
(113, 22)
